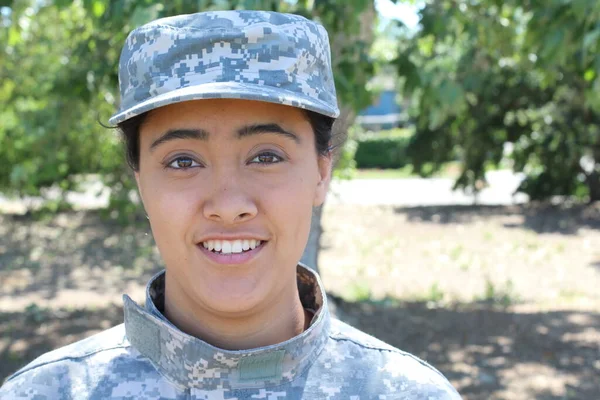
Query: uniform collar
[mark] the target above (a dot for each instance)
(190, 362)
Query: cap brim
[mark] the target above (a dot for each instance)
(228, 90)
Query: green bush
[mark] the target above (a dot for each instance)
(383, 151)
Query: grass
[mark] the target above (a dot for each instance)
(570, 295)
(505, 296)
(450, 170)
(401, 173)
(356, 292)
(456, 252)
(435, 295)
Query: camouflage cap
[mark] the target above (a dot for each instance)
(251, 55)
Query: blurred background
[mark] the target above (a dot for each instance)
(463, 224)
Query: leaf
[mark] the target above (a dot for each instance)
(591, 38)
(62, 3)
(580, 8)
(436, 118)
(551, 46)
(450, 93)
(589, 75)
(409, 70)
(143, 14)
(98, 8)
(14, 37)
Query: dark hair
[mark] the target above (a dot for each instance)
(321, 124)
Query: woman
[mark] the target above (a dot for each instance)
(227, 121)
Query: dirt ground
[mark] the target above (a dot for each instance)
(502, 300)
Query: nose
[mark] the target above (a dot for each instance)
(229, 201)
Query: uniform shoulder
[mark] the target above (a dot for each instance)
(399, 370)
(113, 338)
(340, 331)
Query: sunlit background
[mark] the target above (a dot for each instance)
(463, 223)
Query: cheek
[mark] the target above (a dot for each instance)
(169, 208)
(288, 204)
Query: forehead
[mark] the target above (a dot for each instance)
(223, 114)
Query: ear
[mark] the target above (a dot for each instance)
(325, 164)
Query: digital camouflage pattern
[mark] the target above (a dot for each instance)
(251, 55)
(147, 357)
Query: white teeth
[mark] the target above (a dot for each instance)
(228, 247)
(225, 247)
(236, 247)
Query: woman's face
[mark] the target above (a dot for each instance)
(236, 170)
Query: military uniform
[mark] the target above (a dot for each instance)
(147, 357)
(251, 55)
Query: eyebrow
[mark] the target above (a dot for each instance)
(258, 129)
(197, 134)
(201, 134)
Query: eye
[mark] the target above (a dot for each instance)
(267, 158)
(182, 162)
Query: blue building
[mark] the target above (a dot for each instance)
(384, 113)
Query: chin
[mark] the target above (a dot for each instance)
(231, 294)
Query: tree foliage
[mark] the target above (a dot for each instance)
(488, 75)
(484, 77)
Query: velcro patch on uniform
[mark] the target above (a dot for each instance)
(262, 366)
(144, 336)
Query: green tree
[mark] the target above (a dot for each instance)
(486, 73)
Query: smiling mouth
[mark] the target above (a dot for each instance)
(231, 256)
(226, 247)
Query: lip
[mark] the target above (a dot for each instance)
(232, 258)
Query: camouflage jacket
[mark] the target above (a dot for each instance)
(147, 357)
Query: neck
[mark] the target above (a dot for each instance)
(252, 329)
